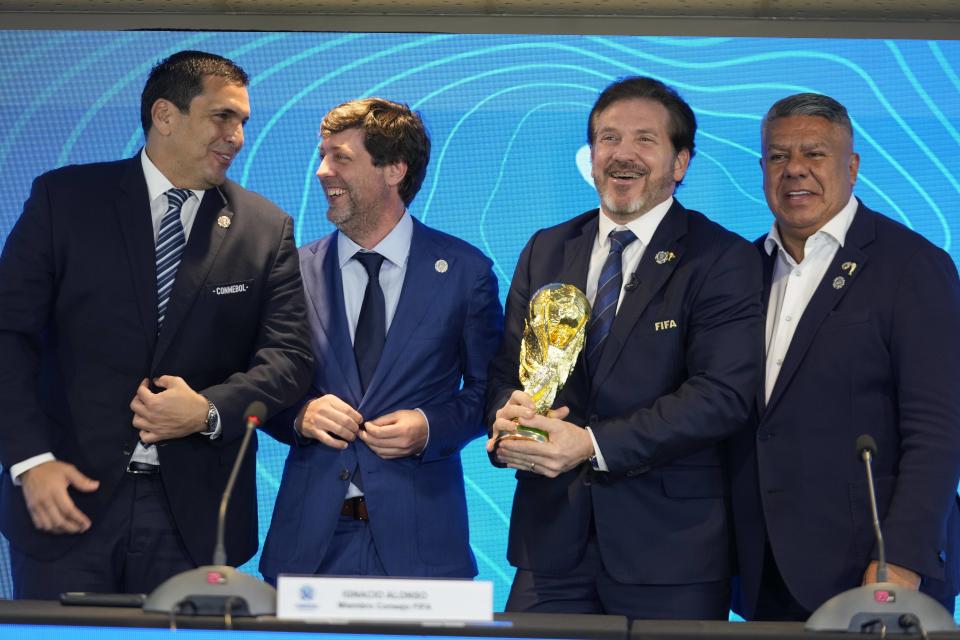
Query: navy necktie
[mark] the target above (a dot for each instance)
(170, 243)
(371, 331)
(608, 294)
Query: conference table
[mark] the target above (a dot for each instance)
(31, 619)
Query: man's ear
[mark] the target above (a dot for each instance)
(163, 113)
(395, 173)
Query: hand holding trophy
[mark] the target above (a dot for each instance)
(553, 335)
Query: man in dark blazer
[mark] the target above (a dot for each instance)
(861, 335)
(143, 305)
(405, 320)
(624, 510)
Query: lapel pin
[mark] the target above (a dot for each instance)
(440, 265)
(849, 267)
(223, 222)
(838, 282)
(664, 256)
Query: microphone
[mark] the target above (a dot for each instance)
(866, 450)
(882, 605)
(633, 283)
(219, 589)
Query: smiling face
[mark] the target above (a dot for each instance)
(361, 197)
(635, 166)
(809, 169)
(195, 149)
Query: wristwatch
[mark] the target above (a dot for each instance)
(213, 418)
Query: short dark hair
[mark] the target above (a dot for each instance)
(683, 124)
(809, 104)
(179, 79)
(391, 133)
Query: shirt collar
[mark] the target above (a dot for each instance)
(643, 227)
(835, 228)
(395, 247)
(157, 183)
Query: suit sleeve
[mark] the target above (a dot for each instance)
(281, 361)
(27, 294)
(456, 422)
(925, 355)
(723, 361)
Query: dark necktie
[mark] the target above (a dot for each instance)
(371, 330)
(608, 293)
(170, 243)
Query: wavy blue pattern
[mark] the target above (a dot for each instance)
(507, 116)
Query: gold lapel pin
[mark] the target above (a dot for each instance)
(664, 256)
(441, 265)
(223, 222)
(838, 282)
(849, 268)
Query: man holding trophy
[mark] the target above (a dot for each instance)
(621, 503)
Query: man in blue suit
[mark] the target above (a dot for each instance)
(861, 338)
(625, 510)
(373, 483)
(144, 304)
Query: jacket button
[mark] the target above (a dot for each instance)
(344, 474)
(942, 556)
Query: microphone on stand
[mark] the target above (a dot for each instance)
(883, 607)
(219, 589)
(633, 283)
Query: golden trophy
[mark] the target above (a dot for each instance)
(553, 335)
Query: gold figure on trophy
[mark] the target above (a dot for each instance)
(554, 334)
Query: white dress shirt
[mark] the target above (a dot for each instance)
(794, 283)
(395, 248)
(643, 227)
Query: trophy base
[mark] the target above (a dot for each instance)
(525, 433)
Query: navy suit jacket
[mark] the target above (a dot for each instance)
(876, 351)
(78, 332)
(446, 329)
(664, 397)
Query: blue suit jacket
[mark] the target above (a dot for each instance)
(663, 399)
(878, 355)
(445, 330)
(78, 332)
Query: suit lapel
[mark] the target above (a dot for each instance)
(576, 255)
(768, 261)
(656, 266)
(136, 225)
(206, 238)
(420, 288)
(324, 288)
(833, 287)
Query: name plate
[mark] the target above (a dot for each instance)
(416, 600)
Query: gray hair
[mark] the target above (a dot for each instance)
(808, 104)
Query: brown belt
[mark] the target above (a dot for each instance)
(355, 508)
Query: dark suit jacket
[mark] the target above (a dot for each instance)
(663, 399)
(445, 330)
(78, 332)
(878, 355)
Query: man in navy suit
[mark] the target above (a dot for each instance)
(861, 338)
(405, 320)
(144, 304)
(625, 509)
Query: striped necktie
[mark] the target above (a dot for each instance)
(608, 294)
(170, 243)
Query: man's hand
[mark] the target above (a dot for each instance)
(569, 445)
(396, 435)
(175, 412)
(329, 420)
(895, 574)
(49, 504)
